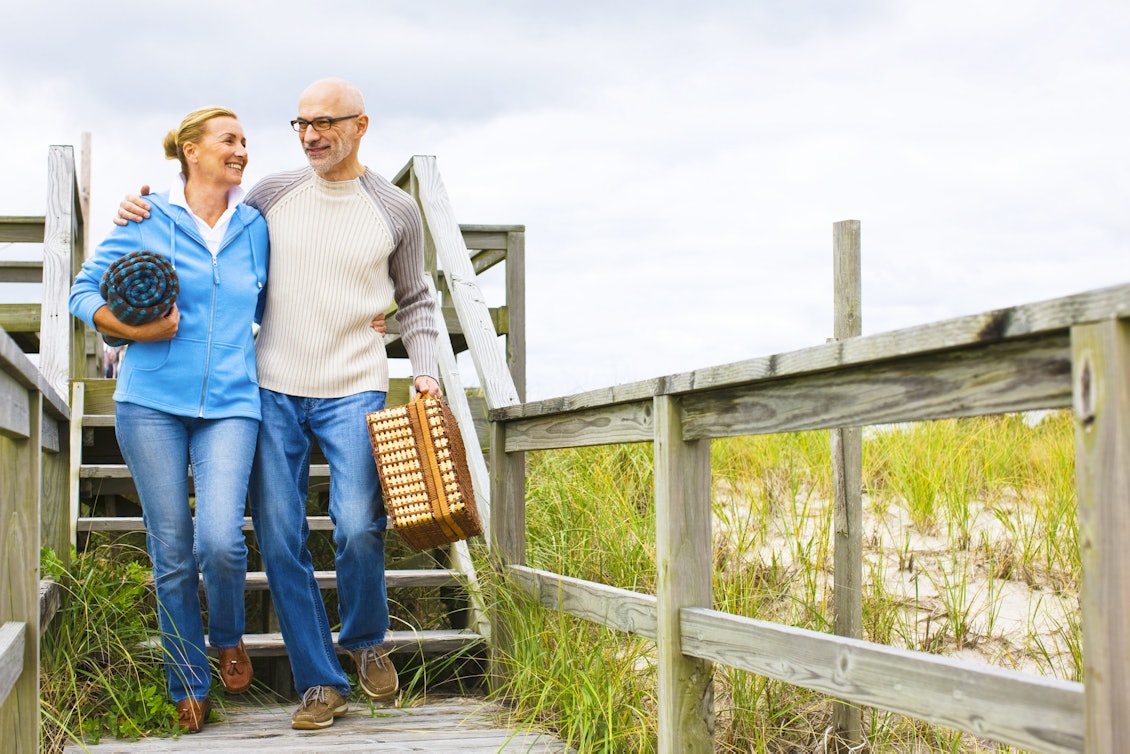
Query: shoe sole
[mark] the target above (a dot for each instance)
(239, 690)
(383, 695)
(315, 725)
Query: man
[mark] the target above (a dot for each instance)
(345, 243)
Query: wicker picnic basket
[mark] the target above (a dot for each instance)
(422, 464)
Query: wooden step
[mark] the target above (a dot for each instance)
(394, 579)
(428, 642)
(121, 471)
(135, 523)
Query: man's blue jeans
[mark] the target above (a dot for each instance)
(158, 447)
(280, 481)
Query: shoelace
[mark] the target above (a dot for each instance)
(314, 694)
(370, 654)
(232, 668)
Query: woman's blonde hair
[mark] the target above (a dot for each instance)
(191, 129)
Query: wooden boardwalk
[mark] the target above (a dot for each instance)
(458, 724)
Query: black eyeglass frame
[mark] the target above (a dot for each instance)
(319, 124)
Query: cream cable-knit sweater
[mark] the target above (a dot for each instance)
(341, 252)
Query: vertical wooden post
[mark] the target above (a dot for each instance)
(84, 197)
(1100, 365)
(21, 421)
(56, 331)
(847, 476)
(516, 307)
(684, 563)
(506, 533)
(74, 480)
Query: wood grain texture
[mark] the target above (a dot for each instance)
(847, 473)
(1024, 710)
(465, 726)
(1102, 442)
(19, 576)
(21, 229)
(494, 376)
(684, 568)
(1041, 318)
(598, 426)
(620, 609)
(59, 241)
(12, 635)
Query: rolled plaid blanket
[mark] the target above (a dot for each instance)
(139, 287)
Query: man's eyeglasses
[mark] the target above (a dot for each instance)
(319, 124)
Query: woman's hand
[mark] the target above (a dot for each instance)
(163, 328)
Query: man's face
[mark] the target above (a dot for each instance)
(326, 150)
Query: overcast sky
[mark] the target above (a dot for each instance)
(678, 165)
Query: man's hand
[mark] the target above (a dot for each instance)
(426, 385)
(133, 208)
(378, 323)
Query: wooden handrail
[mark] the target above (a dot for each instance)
(1067, 352)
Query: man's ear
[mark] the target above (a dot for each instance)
(362, 124)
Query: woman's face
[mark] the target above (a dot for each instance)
(220, 156)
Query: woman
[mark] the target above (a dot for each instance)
(187, 393)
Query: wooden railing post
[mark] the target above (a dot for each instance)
(21, 417)
(847, 475)
(1101, 396)
(516, 308)
(684, 564)
(57, 331)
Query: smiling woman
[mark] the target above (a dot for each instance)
(187, 393)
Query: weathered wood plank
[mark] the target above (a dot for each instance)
(395, 579)
(54, 507)
(20, 489)
(12, 636)
(48, 603)
(16, 365)
(15, 408)
(684, 566)
(134, 523)
(516, 310)
(466, 295)
(74, 471)
(631, 422)
(59, 240)
(459, 553)
(20, 318)
(1055, 315)
(21, 229)
(847, 477)
(619, 609)
(1012, 376)
(466, 726)
(429, 642)
(1102, 442)
(1018, 375)
(1019, 709)
(121, 471)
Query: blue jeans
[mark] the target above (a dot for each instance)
(280, 481)
(158, 448)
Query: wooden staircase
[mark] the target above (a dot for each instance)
(107, 504)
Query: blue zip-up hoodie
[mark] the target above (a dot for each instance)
(208, 369)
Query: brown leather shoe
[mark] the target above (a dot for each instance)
(235, 668)
(191, 714)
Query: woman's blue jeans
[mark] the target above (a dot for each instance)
(158, 448)
(280, 481)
